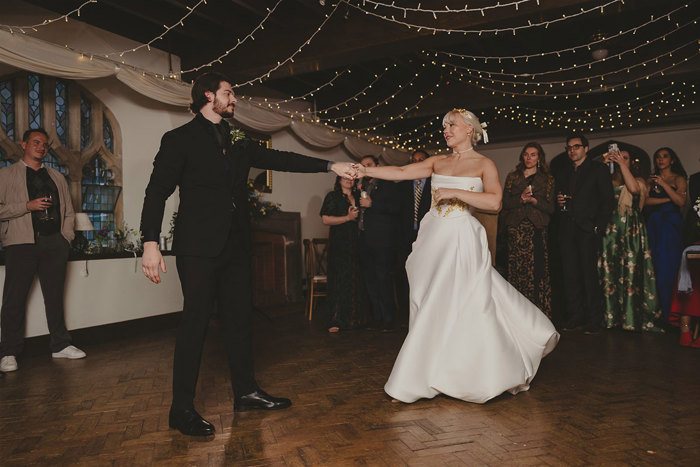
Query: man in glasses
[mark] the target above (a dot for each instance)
(586, 201)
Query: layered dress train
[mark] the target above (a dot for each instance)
(471, 334)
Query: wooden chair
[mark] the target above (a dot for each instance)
(316, 255)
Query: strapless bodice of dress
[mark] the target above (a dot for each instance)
(453, 207)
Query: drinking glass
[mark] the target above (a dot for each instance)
(565, 206)
(45, 214)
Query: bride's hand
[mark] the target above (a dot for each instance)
(441, 194)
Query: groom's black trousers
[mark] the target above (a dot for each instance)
(225, 280)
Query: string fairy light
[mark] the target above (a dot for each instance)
(33, 27)
(494, 31)
(505, 92)
(559, 52)
(147, 45)
(266, 75)
(588, 65)
(311, 93)
(361, 92)
(239, 42)
(447, 9)
(368, 110)
(616, 118)
(588, 79)
(276, 105)
(400, 115)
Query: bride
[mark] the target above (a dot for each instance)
(471, 335)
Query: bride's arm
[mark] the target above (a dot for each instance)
(489, 200)
(414, 171)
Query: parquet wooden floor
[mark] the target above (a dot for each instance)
(614, 398)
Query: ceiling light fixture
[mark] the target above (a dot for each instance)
(600, 52)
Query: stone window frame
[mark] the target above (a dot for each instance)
(69, 154)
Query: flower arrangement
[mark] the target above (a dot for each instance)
(258, 206)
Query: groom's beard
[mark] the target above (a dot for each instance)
(221, 109)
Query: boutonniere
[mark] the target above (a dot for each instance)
(237, 135)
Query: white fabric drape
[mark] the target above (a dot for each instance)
(37, 56)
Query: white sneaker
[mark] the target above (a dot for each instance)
(8, 363)
(70, 352)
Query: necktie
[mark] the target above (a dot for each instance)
(417, 193)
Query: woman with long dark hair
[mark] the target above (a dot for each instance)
(626, 269)
(345, 284)
(666, 197)
(528, 202)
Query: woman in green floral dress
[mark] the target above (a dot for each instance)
(626, 268)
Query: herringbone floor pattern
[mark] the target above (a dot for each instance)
(614, 398)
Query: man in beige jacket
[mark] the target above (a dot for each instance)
(36, 227)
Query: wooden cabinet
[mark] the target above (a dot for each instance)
(277, 264)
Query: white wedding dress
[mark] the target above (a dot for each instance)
(471, 335)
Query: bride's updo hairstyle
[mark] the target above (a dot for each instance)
(468, 117)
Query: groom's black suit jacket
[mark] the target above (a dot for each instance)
(210, 184)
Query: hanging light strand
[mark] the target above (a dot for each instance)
(362, 92)
(588, 46)
(588, 79)
(447, 9)
(147, 45)
(33, 27)
(494, 31)
(239, 42)
(311, 93)
(368, 110)
(574, 67)
(593, 89)
(266, 75)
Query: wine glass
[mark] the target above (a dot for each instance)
(45, 214)
(567, 197)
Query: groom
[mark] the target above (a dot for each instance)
(212, 242)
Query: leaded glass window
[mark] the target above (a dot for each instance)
(61, 110)
(107, 135)
(51, 160)
(34, 101)
(4, 161)
(85, 121)
(99, 195)
(7, 108)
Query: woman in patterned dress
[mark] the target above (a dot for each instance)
(626, 269)
(528, 201)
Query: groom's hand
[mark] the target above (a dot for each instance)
(344, 169)
(151, 260)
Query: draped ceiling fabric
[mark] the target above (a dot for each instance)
(37, 56)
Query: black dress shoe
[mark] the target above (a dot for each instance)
(190, 423)
(259, 400)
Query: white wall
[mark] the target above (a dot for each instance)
(111, 292)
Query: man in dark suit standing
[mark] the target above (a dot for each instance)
(378, 225)
(415, 199)
(586, 199)
(212, 242)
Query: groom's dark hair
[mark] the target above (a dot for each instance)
(206, 82)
